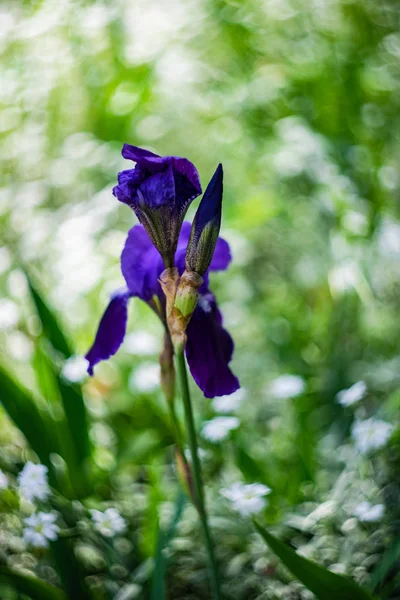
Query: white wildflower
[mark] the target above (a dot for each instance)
(3, 480)
(287, 386)
(219, 428)
(33, 483)
(371, 434)
(226, 404)
(75, 369)
(247, 499)
(369, 513)
(109, 522)
(40, 528)
(146, 378)
(354, 394)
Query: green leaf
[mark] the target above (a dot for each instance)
(75, 412)
(158, 583)
(45, 374)
(163, 539)
(36, 425)
(70, 570)
(323, 583)
(72, 428)
(49, 321)
(31, 586)
(76, 417)
(389, 559)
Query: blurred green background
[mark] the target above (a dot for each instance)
(299, 99)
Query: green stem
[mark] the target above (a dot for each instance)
(196, 468)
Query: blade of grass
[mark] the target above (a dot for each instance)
(164, 538)
(72, 428)
(33, 587)
(37, 425)
(323, 583)
(49, 321)
(70, 570)
(389, 560)
(75, 413)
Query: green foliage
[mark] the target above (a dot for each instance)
(33, 587)
(158, 591)
(49, 321)
(324, 584)
(300, 102)
(35, 423)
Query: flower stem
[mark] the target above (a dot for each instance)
(197, 479)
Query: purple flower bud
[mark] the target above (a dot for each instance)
(159, 190)
(206, 226)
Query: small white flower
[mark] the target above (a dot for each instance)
(369, 513)
(354, 394)
(146, 378)
(109, 522)
(3, 480)
(40, 528)
(75, 369)
(218, 429)
(226, 404)
(33, 483)
(142, 343)
(247, 499)
(287, 386)
(371, 434)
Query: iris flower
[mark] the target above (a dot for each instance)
(159, 190)
(209, 347)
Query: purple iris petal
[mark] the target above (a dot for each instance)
(111, 331)
(222, 256)
(159, 190)
(141, 264)
(209, 350)
(209, 346)
(184, 173)
(136, 154)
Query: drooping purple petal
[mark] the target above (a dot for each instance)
(111, 331)
(222, 256)
(209, 350)
(141, 264)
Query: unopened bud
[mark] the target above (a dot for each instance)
(206, 226)
(187, 293)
